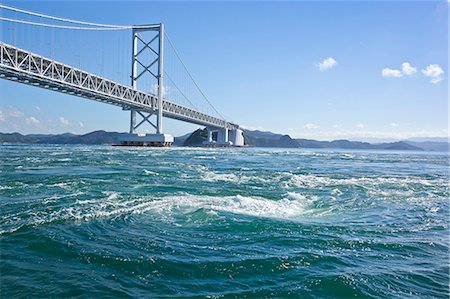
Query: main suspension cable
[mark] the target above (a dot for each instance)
(104, 26)
(61, 26)
(62, 19)
(195, 83)
(176, 86)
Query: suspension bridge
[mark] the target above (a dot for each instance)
(34, 46)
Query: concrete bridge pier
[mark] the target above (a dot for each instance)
(236, 137)
(225, 137)
(222, 137)
(209, 138)
(134, 139)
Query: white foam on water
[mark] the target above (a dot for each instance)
(290, 207)
(86, 201)
(65, 185)
(148, 172)
(6, 187)
(316, 181)
(208, 175)
(59, 153)
(111, 195)
(336, 191)
(64, 160)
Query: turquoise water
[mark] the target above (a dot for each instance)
(96, 221)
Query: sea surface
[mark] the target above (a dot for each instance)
(102, 221)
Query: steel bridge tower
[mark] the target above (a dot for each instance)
(140, 67)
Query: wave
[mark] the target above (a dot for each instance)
(289, 180)
(290, 207)
(148, 172)
(207, 175)
(317, 181)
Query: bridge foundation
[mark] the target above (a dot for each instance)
(225, 137)
(236, 137)
(153, 140)
(222, 137)
(209, 138)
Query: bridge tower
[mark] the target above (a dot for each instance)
(153, 66)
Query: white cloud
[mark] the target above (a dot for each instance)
(364, 135)
(10, 112)
(32, 121)
(310, 126)
(394, 124)
(407, 69)
(327, 64)
(360, 126)
(63, 121)
(13, 112)
(81, 125)
(38, 108)
(433, 71)
(387, 72)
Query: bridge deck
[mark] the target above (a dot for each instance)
(26, 67)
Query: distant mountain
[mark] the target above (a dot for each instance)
(252, 138)
(268, 139)
(17, 138)
(197, 137)
(398, 146)
(432, 139)
(431, 145)
(96, 137)
(178, 141)
(346, 144)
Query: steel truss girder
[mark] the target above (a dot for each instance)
(26, 67)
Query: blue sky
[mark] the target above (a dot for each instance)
(323, 70)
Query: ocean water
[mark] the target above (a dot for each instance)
(101, 221)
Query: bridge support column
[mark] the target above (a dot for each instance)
(159, 125)
(225, 137)
(222, 136)
(236, 137)
(209, 138)
(132, 121)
